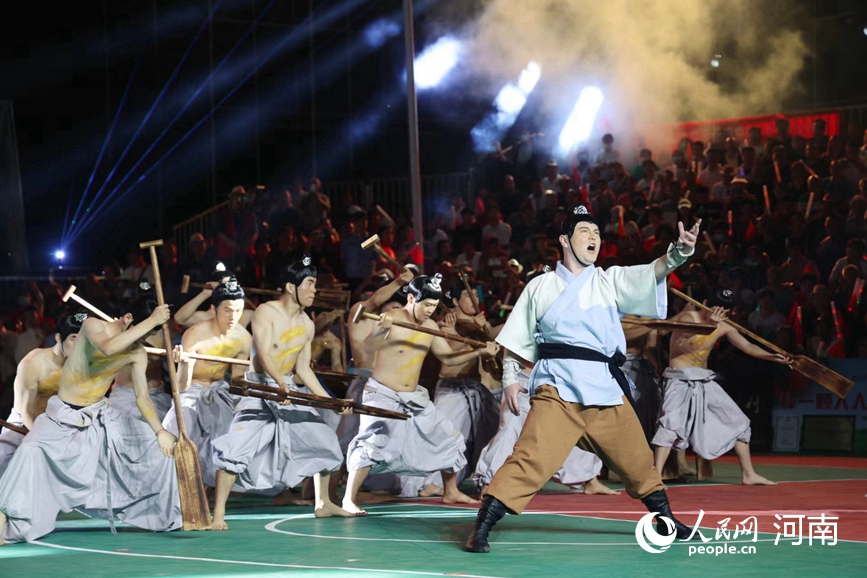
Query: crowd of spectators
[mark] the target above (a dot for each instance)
(783, 228)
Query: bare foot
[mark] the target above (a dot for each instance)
(458, 497)
(430, 491)
(686, 469)
(594, 488)
(329, 510)
(755, 479)
(290, 498)
(353, 510)
(217, 523)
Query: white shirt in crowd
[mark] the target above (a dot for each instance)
(503, 233)
(473, 262)
(709, 178)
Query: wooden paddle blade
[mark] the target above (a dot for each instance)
(824, 376)
(194, 502)
(703, 468)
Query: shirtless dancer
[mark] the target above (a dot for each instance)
(696, 411)
(381, 301)
(37, 379)
(122, 397)
(427, 442)
(63, 462)
(460, 394)
(207, 404)
(272, 447)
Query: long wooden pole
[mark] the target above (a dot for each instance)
(421, 329)
(194, 503)
(824, 376)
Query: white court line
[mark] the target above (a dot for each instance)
(569, 515)
(272, 527)
(245, 563)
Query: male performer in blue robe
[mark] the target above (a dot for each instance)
(567, 322)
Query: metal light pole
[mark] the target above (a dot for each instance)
(412, 113)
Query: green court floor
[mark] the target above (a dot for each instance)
(424, 539)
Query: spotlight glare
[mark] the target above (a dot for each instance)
(60, 255)
(435, 62)
(509, 103)
(580, 122)
(510, 99)
(529, 77)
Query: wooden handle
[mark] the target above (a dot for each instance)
(12, 427)
(325, 402)
(70, 294)
(473, 297)
(764, 342)
(434, 332)
(167, 336)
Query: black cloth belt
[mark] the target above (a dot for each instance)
(565, 351)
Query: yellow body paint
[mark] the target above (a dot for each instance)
(292, 333)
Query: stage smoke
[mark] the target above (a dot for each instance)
(651, 59)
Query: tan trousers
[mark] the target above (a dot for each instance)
(554, 427)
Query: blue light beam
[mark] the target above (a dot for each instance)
(156, 102)
(300, 32)
(123, 100)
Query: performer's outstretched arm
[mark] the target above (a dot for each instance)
(677, 252)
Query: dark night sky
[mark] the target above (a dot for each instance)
(66, 87)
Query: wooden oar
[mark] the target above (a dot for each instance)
(666, 325)
(360, 313)
(324, 402)
(827, 378)
(12, 427)
(194, 503)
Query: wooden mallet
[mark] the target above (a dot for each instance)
(360, 314)
(827, 378)
(194, 503)
(70, 294)
(373, 243)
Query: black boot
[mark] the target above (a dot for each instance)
(658, 502)
(490, 513)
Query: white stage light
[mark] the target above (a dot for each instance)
(580, 123)
(509, 103)
(435, 62)
(529, 77)
(60, 255)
